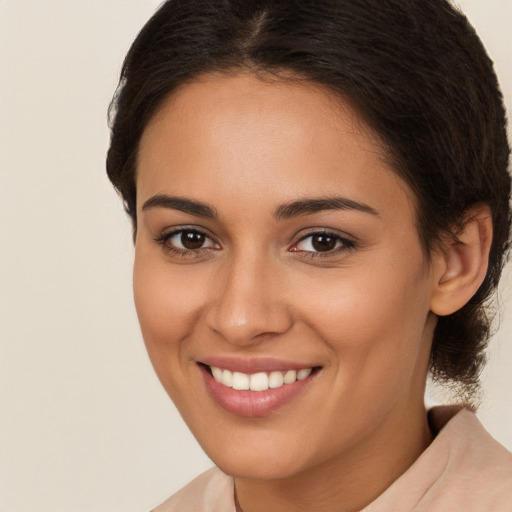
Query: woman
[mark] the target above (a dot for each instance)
(320, 202)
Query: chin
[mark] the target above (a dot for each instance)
(246, 468)
(258, 460)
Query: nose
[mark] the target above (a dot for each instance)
(249, 304)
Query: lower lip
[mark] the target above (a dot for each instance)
(252, 404)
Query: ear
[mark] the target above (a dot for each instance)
(460, 264)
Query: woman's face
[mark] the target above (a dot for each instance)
(273, 238)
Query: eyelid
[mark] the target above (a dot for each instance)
(304, 233)
(173, 230)
(178, 234)
(348, 242)
(166, 234)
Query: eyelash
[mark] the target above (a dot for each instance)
(345, 245)
(163, 239)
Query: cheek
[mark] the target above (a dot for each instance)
(373, 325)
(167, 303)
(372, 314)
(168, 308)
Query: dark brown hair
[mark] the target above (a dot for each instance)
(414, 69)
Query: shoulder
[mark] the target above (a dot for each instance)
(464, 468)
(480, 469)
(212, 491)
(469, 443)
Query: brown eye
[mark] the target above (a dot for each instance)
(187, 240)
(323, 243)
(192, 240)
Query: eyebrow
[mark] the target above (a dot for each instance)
(309, 206)
(282, 212)
(181, 204)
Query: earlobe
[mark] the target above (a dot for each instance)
(460, 265)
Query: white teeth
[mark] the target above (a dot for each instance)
(240, 381)
(227, 378)
(290, 376)
(217, 373)
(275, 380)
(302, 374)
(260, 381)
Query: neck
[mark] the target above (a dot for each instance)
(351, 480)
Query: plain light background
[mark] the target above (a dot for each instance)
(84, 423)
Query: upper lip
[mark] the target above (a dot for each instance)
(254, 364)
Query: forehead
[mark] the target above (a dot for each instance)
(250, 137)
(236, 100)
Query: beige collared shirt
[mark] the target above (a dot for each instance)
(463, 470)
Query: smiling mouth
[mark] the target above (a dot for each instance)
(260, 381)
(257, 387)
